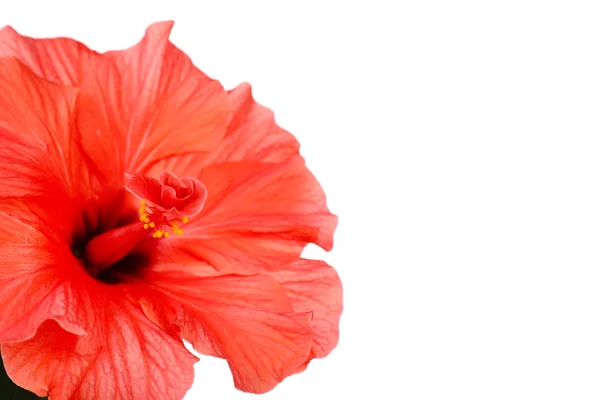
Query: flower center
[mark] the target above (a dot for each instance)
(164, 204)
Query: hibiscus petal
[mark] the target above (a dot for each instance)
(264, 349)
(145, 104)
(41, 280)
(257, 216)
(314, 286)
(35, 363)
(36, 151)
(265, 198)
(252, 135)
(58, 60)
(138, 361)
(247, 320)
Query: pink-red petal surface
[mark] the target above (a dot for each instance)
(37, 153)
(252, 135)
(40, 280)
(314, 286)
(145, 104)
(58, 60)
(248, 320)
(137, 361)
(257, 215)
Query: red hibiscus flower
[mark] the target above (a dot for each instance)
(142, 204)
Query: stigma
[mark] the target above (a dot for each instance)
(159, 223)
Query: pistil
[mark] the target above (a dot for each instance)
(111, 246)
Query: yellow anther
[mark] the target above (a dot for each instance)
(155, 235)
(166, 234)
(143, 217)
(147, 220)
(143, 202)
(176, 229)
(185, 220)
(146, 226)
(142, 210)
(152, 225)
(159, 234)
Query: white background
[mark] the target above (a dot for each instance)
(457, 141)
